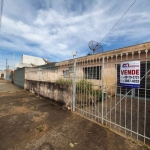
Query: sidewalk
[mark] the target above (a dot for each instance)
(28, 122)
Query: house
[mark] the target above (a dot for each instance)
(103, 69)
(30, 61)
(2, 74)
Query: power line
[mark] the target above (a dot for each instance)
(118, 20)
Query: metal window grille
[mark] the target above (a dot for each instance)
(92, 72)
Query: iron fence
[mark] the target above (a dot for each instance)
(97, 93)
(100, 97)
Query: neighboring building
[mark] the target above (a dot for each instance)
(10, 75)
(30, 61)
(2, 74)
(21, 74)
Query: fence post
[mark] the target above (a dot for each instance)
(103, 90)
(74, 86)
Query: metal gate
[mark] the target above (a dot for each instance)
(97, 93)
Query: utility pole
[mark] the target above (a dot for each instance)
(6, 64)
(13, 61)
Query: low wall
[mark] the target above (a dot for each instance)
(57, 92)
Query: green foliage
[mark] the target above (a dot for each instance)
(99, 95)
(64, 81)
(84, 86)
(39, 129)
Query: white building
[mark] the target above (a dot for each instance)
(2, 74)
(30, 61)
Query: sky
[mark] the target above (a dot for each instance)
(53, 29)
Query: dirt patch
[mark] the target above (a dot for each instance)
(28, 122)
(19, 109)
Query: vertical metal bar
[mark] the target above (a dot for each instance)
(110, 104)
(102, 88)
(82, 88)
(99, 87)
(77, 87)
(138, 108)
(138, 116)
(74, 85)
(116, 90)
(126, 101)
(120, 97)
(132, 98)
(83, 95)
(89, 70)
(111, 90)
(92, 86)
(145, 95)
(86, 88)
(95, 94)
(107, 96)
(131, 109)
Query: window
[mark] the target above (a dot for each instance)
(144, 84)
(66, 74)
(92, 72)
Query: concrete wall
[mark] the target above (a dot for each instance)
(43, 74)
(19, 77)
(59, 93)
(26, 59)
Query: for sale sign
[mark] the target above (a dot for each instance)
(130, 74)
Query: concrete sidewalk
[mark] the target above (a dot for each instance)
(28, 122)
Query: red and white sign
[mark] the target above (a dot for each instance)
(130, 74)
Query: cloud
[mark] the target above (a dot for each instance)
(55, 28)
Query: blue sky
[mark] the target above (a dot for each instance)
(54, 28)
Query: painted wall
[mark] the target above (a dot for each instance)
(19, 76)
(26, 59)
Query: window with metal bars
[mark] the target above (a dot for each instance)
(66, 74)
(92, 72)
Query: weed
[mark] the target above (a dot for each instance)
(107, 129)
(64, 81)
(146, 147)
(40, 128)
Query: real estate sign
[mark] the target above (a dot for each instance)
(130, 74)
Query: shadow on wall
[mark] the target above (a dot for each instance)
(61, 94)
